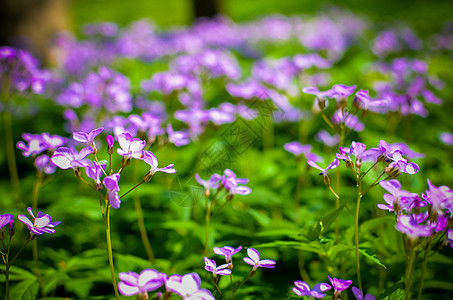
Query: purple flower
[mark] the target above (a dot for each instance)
(356, 149)
(227, 251)
(254, 260)
(6, 219)
(66, 158)
(95, 172)
(297, 149)
(398, 200)
(321, 97)
(303, 289)
(339, 285)
(450, 237)
(349, 120)
(212, 183)
(211, 266)
(335, 163)
(130, 147)
(88, 138)
(446, 138)
(178, 138)
(188, 287)
(111, 183)
(42, 222)
(110, 141)
(408, 225)
(44, 164)
(38, 143)
(132, 283)
(440, 198)
(151, 160)
(231, 184)
(363, 101)
(359, 295)
(327, 139)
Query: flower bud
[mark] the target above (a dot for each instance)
(12, 229)
(110, 142)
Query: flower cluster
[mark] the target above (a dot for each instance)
(411, 220)
(129, 148)
(228, 181)
(301, 288)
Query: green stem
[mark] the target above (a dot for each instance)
(356, 230)
(409, 271)
(425, 263)
(109, 249)
(141, 221)
(208, 220)
(326, 119)
(231, 284)
(136, 186)
(142, 229)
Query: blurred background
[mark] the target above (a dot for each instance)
(31, 24)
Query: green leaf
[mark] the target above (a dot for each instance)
(17, 274)
(314, 247)
(373, 257)
(393, 291)
(25, 290)
(312, 232)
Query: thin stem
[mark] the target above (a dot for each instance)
(109, 249)
(409, 271)
(375, 183)
(208, 220)
(136, 186)
(97, 160)
(326, 119)
(142, 229)
(364, 174)
(356, 230)
(425, 263)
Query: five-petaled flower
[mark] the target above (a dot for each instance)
(42, 222)
(254, 260)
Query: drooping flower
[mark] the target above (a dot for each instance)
(151, 160)
(188, 287)
(254, 260)
(111, 183)
(6, 219)
(335, 163)
(42, 222)
(211, 266)
(303, 289)
(140, 284)
(95, 172)
(227, 251)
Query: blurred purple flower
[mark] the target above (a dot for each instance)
(440, 198)
(446, 138)
(231, 183)
(111, 184)
(363, 101)
(359, 295)
(297, 149)
(327, 139)
(44, 164)
(211, 266)
(227, 251)
(254, 260)
(42, 222)
(349, 120)
(212, 183)
(188, 287)
(132, 283)
(6, 219)
(178, 138)
(303, 289)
